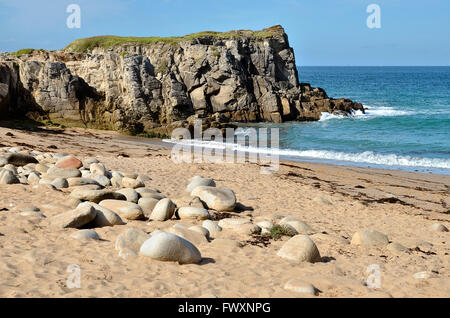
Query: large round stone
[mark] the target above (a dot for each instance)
(163, 210)
(147, 205)
(190, 212)
(56, 172)
(369, 237)
(219, 199)
(82, 215)
(69, 162)
(130, 194)
(172, 248)
(96, 195)
(295, 225)
(300, 248)
(127, 210)
(198, 181)
(104, 217)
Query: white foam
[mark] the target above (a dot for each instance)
(367, 157)
(327, 116)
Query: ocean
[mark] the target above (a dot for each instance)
(406, 125)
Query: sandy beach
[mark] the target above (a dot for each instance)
(335, 201)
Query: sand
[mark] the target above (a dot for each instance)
(335, 201)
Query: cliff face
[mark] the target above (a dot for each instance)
(158, 86)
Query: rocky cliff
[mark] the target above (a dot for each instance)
(157, 84)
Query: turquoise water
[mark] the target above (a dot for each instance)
(406, 125)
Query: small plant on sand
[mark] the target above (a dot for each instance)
(278, 231)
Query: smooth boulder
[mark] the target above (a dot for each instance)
(369, 237)
(169, 247)
(163, 210)
(127, 210)
(300, 248)
(189, 212)
(219, 199)
(96, 196)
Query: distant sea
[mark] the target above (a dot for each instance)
(406, 125)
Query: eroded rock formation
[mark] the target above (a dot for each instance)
(155, 87)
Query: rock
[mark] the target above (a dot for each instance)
(198, 181)
(98, 169)
(248, 229)
(76, 182)
(96, 195)
(265, 226)
(132, 183)
(219, 82)
(86, 235)
(130, 175)
(300, 248)
(193, 213)
(117, 175)
(211, 226)
(424, 275)
(233, 223)
(125, 209)
(396, 247)
(82, 215)
(299, 286)
(116, 182)
(7, 177)
(56, 172)
(219, 199)
(104, 217)
(69, 162)
(369, 237)
(189, 235)
(196, 203)
(18, 159)
(60, 183)
(226, 243)
(147, 190)
(88, 161)
(172, 248)
(152, 195)
(101, 180)
(438, 227)
(142, 178)
(163, 210)
(297, 226)
(132, 239)
(201, 230)
(33, 178)
(130, 194)
(147, 205)
(126, 253)
(41, 168)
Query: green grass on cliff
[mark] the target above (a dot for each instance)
(88, 44)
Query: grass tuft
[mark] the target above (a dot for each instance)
(278, 231)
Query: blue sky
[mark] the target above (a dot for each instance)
(322, 32)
